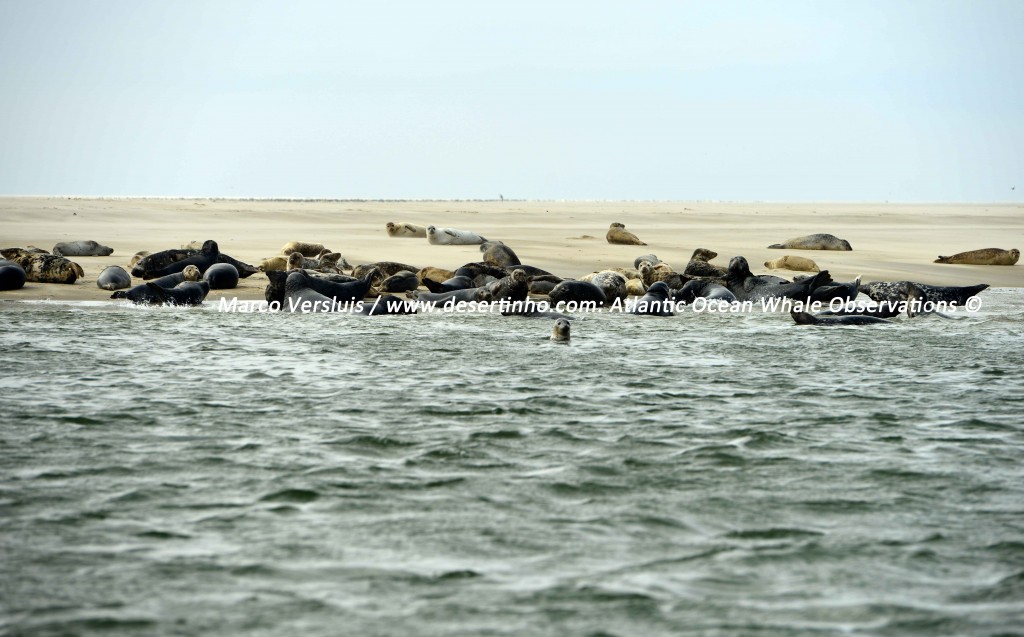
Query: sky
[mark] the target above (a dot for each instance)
(823, 100)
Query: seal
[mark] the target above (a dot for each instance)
(661, 272)
(12, 275)
(274, 264)
(434, 274)
(656, 302)
(560, 331)
(384, 268)
(480, 295)
(386, 305)
(202, 260)
(339, 292)
(612, 284)
(703, 288)
(449, 285)
(699, 265)
(635, 287)
(301, 297)
(896, 291)
(404, 281)
(514, 287)
(114, 277)
(805, 318)
(187, 293)
(645, 258)
(43, 267)
(452, 237)
(988, 256)
(569, 291)
(617, 234)
(81, 249)
(749, 287)
(137, 257)
(403, 229)
(221, 276)
(142, 294)
(794, 263)
(499, 254)
(825, 294)
(304, 248)
(813, 242)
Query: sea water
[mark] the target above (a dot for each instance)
(180, 471)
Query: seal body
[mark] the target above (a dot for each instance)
(304, 248)
(449, 285)
(383, 268)
(560, 331)
(749, 287)
(12, 275)
(813, 242)
(656, 302)
(617, 234)
(480, 295)
(805, 318)
(221, 276)
(612, 284)
(81, 249)
(645, 258)
(43, 267)
(137, 257)
(703, 288)
(576, 292)
(790, 262)
(143, 293)
(452, 237)
(402, 229)
(274, 264)
(514, 287)
(699, 264)
(114, 277)
(896, 291)
(499, 254)
(988, 256)
(404, 281)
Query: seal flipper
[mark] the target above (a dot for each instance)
(120, 294)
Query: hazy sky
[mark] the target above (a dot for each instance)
(795, 101)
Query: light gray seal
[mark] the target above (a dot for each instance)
(560, 331)
(813, 242)
(81, 249)
(114, 277)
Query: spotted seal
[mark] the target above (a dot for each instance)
(405, 230)
(987, 256)
(114, 277)
(560, 331)
(794, 263)
(514, 287)
(499, 254)
(617, 234)
(81, 249)
(896, 291)
(452, 237)
(384, 268)
(612, 284)
(43, 267)
(813, 242)
(661, 272)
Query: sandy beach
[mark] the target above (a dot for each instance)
(890, 241)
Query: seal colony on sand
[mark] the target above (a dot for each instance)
(988, 256)
(813, 242)
(617, 234)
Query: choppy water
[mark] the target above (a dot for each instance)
(184, 471)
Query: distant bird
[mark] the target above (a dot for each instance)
(1013, 188)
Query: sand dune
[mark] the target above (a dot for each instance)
(890, 241)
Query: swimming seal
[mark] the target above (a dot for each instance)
(405, 230)
(221, 276)
(81, 249)
(114, 277)
(790, 262)
(499, 254)
(617, 234)
(813, 242)
(560, 331)
(452, 237)
(987, 256)
(805, 318)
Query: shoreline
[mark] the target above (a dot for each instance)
(893, 241)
